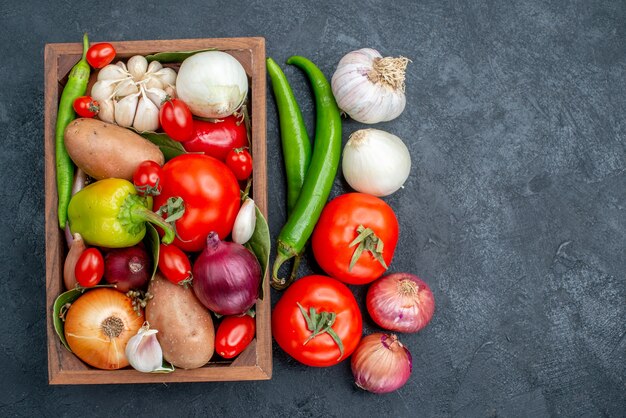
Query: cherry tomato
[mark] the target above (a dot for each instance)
(174, 264)
(147, 178)
(293, 332)
(216, 139)
(100, 55)
(176, 120)
(89, 267)
(234, 334)
(86, 107)
(239, 161)
(338, 227)
(211, 197)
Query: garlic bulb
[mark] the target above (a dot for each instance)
(143, 350)
(245, 222)
(375, 162)
(368, 87)
(131, 94)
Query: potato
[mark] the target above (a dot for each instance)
(104, 150)
(185, 326)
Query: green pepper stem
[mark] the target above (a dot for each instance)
(283, 254)
(145, 214)
(85, 46)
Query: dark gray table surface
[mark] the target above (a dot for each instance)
(513, 213)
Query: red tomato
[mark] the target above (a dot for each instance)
(211, 197)
(174, 264)
(292, 333)
(337, 229)
(234, 334)
(86, 107)
(147, 178)
(218, 138)
(239, 161)
(100, 55)
(176, 120)
(89, 268)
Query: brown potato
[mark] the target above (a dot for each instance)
(186, 332)
(104, 150)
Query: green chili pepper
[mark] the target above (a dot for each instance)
(294, 138)
(109, 213)
(320, 176)
(295, 141)
(75, 87)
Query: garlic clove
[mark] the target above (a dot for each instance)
(107, 111)
(158, 96)
(143, 350)
(245, 222)
(137, 66)
(167, 76)
(170, 91)
(122, 64)
(113, 72)
(125, 110)
(154, 67)
(151, 81)
(147, 115)
(126, 88)
(103, 90)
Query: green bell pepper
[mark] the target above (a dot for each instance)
(109, 213)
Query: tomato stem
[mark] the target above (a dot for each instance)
(321, 323)
(367, 240)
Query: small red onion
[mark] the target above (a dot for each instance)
(381, 364)
(400, 302)
(128, 268)
(226, 277)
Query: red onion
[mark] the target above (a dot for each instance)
(226, 277)
(381, 364)
(128, 268)
(400, 302)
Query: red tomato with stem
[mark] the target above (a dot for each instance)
(89, 268)
(234, 334)
(86, 107)
(218, 138)
(147, 178)
(174, 264)
(176, 120)
(323, 298)
(210, 195)
(100, 55)
(239, 161)
(355, 238)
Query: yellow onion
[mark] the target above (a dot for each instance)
(98, 326)
(381, 364)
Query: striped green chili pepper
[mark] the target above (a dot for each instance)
(76, 86)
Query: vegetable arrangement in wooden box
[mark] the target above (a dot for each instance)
(157, 156)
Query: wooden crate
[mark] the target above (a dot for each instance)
(255, 363)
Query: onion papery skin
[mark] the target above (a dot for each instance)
(400, 302)
(226, 277)
(86, 335)
(381, 363)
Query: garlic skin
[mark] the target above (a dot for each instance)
(125, 110)
(103, 90)
(137, 66)
(245, 222)
(112, 72)
(157, 96)
(375, 162)
(143, 350)
(147, 114)
(107, 111)
(368, 87)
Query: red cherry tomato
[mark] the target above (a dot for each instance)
(86, 107)
(89, 268)
(216, 139)
(147, 178)
(176, 120)
(174, 264)
(100, 55)
(239, 161)
(234, 334)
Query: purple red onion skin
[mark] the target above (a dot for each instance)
(127, 268)
(227, 277)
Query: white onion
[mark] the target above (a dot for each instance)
(368, 87)
(213, 84)
(375, 162)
